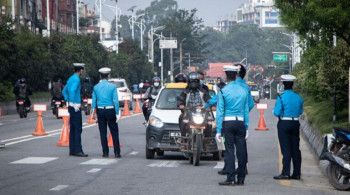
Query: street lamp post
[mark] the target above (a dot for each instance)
(181, 54)
(189, 61)
(151, 33)
(117, 15)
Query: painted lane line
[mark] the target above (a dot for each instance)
(34, 160)
(59, 187)
(167, 164)
(172, 164)
(133, 153)
(219, 165)
(95, 170)
(96, 161)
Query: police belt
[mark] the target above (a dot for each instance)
(233, 118)
(74, 104)
(105, 107)
(289, 118)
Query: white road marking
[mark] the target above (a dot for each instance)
(219, 165)
(167, 164)
(34, 160)
(133, 153)
(96, 161)
(95, 170)
(59, 188)
(1, 124)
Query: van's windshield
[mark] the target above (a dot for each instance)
(167, 99)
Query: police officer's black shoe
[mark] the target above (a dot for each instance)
(295, 177)
(81, 154)
(222, 172)
(118, 156)
(240, 183)
(227, 183)
(279, 177)
(105, 155)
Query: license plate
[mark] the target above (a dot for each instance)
(174, 134)
(20, 102)
(86, 100)
(57, 103)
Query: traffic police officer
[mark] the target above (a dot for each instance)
(105, 104)
(71, 94)
(288, 108)
(232, 119)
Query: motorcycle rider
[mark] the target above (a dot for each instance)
(22, 90)
(180, 78)
(86, 88)
(194, 96)
(56, 91)
(151, 95)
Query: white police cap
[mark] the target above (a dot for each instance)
(288, 78)
(82, 65)
(230, 68)
(104, 70)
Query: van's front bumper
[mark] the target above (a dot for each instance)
(163, 138)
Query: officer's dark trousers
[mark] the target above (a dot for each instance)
(288, 135)
(235, 132)
(75, 121)
(104, 117)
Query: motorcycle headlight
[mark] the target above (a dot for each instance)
(198, 119)
(156, 122)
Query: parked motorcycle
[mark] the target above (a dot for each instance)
(195, 144)
(57, 103)
(86, 106)
(22, 108)
(337, 152)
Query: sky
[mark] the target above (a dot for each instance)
(209, 10)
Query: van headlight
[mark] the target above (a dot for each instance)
(198, 119)
(155, 122)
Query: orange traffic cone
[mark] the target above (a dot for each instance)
(126, 111)
(64, 140)
(262, 124)
(39, 130)
(137, 107)
(91, 120)
(110, 141)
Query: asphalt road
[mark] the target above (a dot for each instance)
(35, 165)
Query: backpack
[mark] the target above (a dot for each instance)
(56, 86)
(23, 90)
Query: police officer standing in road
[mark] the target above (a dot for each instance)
(105, 104)
(288, 108)
(232, 118)
(71, 94)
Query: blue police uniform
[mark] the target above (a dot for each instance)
(71, 94)
(232, 120)
(288, 108)
(246, 87)
(105, 101)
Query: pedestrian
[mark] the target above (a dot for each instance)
(71, 93)
(288, 108)
(232, 119)
(106, 106)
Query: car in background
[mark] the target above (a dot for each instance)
(123, 91)
(163, 128)
(254, 91)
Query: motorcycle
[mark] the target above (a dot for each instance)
(86, 106)
(337, 152)
(22, 109)
(149, 104)
(195, 144)
(57, 103)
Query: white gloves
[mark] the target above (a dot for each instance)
(218, 137)
(246, 134)
(117, 118)
(76, 107)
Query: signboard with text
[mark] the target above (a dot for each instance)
(168, 44)
(280, 58)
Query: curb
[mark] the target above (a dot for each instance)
(314, 139)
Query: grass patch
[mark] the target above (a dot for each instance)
(40, 95)
(320, 114)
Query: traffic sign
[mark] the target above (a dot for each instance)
(168, 44)
(280, 58)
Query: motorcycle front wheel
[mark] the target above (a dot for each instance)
(339, 179)
(197, 150)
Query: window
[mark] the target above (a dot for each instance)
(168, 99)
(267, 14)
(274, 14)
(119, 84)
(68, 2)
(269, 21)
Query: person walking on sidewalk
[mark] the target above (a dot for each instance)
(288, 108)
(71, 93)
(105, 104)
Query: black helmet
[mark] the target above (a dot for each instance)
(180, 78)
(87, 79)
(193, 80)
(22, 81)
(156, 79)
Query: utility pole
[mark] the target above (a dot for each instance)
(48, 18)
(77, 9)
(161, 59)
(116, 27)
(181, 54)
(100, 20)
(171, 62)
(141, 32)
